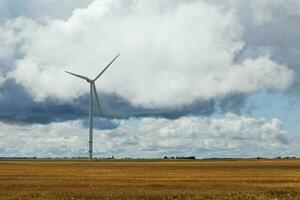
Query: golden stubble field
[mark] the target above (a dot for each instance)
(243, 179)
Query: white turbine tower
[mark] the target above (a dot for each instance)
(93, 91)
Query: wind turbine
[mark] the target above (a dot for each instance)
(93, 92)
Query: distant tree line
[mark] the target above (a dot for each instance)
(129, 158)
(181, 157)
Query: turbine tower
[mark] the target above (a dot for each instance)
(93, 92)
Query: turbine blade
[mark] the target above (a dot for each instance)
(106, 67)
(79, 76)
(97, 100)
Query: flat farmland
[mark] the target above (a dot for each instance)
(117, 179)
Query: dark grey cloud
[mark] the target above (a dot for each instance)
(17, 106)
(116, 107)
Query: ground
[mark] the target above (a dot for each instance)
(144, 179)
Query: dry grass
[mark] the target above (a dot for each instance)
(245, 179)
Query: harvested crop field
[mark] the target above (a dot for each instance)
(117, 179)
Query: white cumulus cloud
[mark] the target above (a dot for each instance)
(171, 55)
(231, 136)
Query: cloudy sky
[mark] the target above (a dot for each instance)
(208, 78)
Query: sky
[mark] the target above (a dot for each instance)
(205, 78)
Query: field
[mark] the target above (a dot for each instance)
(74, 180)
